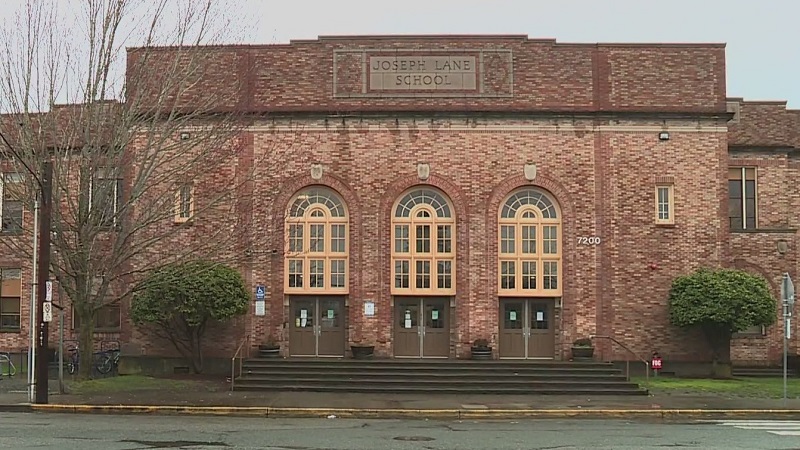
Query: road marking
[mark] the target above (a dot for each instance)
(779, 427)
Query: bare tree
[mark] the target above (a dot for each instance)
(145, 160)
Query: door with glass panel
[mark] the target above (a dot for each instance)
(316, 326)
(526, 328)
(422, 327)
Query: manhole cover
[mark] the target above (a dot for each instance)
(414, 438)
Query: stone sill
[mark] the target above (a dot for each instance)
(766, 230)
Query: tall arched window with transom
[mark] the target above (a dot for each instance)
(423, 272)
(530, 274)
(316, 272)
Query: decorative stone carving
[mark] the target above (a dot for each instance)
(316, 171)
(423, 171)
(530, 172)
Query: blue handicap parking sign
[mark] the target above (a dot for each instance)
(261, 292)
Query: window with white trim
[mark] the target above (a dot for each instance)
(11, 211)
(317, 253)
(665, 204)
(423, 244)
(530, 245)
(10, 299)
(742, 198)
(106, 197)
(184, 202)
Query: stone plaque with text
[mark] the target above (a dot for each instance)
(422, 73)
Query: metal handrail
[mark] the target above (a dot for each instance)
(236, 355)
(627, 361)
(5, 358)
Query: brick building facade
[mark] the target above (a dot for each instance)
(419, 193)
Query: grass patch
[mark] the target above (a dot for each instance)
(738, 387)
(132, 383)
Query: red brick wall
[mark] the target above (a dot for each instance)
(547, 76)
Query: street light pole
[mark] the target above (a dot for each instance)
(42, 368)
(32, 319)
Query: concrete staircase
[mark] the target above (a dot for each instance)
(434, 376)
(761, 371)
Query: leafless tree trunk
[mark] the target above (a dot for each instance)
(122, 159)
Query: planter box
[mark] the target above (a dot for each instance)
(362, 351)
(268, 351)
(481, 352)
(582, 353)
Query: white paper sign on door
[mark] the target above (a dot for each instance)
(539, 316)
(407, 323)
(435, 314)
(303, 313)
(512, 315)
(330, 314)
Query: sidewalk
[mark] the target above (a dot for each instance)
(219, 401)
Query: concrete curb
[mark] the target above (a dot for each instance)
(398, 413)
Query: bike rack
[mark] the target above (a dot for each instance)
(5, 358)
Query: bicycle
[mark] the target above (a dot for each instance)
(108, 361)
(74, 360)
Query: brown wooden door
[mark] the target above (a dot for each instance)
(513, 332)
(330, 328)
(541, 335)
(407, 327)
(436, 329)
(302, 327)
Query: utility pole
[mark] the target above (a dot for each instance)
(45, 216)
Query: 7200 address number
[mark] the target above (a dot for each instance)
(588, 240)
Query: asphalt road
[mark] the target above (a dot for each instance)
(109, 432)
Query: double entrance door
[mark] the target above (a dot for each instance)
(422, 327)
(316, 326)
(527, 328)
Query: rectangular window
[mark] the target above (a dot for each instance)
(423, 238)
(337, 273)
(507, 239)
(338, 238)
(11, 187)
(550, 279)
(107, 318)
(401, 275)
(423, 274)
(184, 204)
(316, 273)
(106, 197)
(444, 239)
(296, 273)
(742, 198)
(528, 239)
(444, 274)
(507, 275)
(10, 299)
(317, 238)
(401, 244)
(550, 239)
(295, 238)
(528, 274)
(664, 205)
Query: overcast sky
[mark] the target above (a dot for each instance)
(762, 36)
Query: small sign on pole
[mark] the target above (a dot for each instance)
(47, 311)
(48, 296)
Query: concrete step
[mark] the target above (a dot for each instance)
(406, 389)
(415, 374)
(435, 376)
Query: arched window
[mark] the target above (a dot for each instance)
(529, 260)
(423, 244)
(316, 243)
